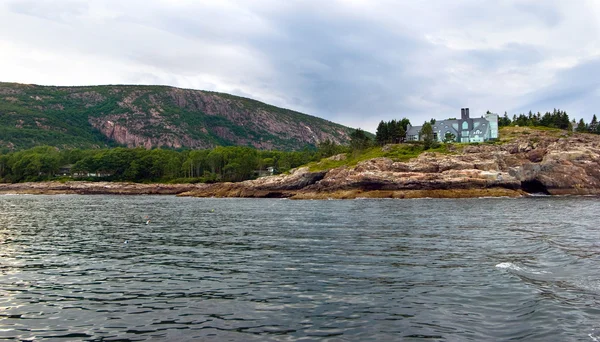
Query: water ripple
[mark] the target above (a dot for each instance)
(89, 268)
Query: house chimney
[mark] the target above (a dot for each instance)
(462, 113)
(467, 112)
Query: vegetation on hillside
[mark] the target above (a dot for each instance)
(59, 118)
(212, 165)
(32, 115)
(396, 152)
(44, 163)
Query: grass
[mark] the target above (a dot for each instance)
(397, 153)
(405, 152)
(510, 133)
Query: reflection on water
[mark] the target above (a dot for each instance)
(90, 268)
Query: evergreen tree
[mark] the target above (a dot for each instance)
(593, 127)
(405, 123)
(581, 126)
(359, 140)
(449, 138)
(426, 135)
(504, 120)
(382, 135)
(400, 134)
(391, 132)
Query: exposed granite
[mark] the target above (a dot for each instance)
(536, 162)
(539, 162)
(93, 188)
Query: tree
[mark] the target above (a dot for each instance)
(581, 126)
(405, 123)
(359, 140)
(399, 134)
(449, 138)
(504, 120)
(391, 132)
(426, 135)
(593, 127)
(382, 136)
(327, 148)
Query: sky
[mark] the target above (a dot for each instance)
(354, 62)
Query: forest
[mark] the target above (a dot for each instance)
(219, 164)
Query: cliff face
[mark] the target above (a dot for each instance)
(535, 163)
(152, 116)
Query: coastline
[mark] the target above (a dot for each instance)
(534, 162)
(199, 190)
(92, 188)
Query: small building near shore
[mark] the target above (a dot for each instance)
(67, 171)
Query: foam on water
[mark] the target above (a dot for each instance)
(514, 267)
(508, 265)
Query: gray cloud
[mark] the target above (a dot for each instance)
(576, 88)
(59, 11)
(352, 62)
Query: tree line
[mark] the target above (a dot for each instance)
(555, 119)
(391, 132)
(158, 165)
(583, 127)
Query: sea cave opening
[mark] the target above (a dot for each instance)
(534, 186)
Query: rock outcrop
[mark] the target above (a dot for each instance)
(153, 116)
(94, 188)
(536, 162)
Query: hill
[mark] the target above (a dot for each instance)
(151, 116)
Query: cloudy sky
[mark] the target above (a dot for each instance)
(355, 62)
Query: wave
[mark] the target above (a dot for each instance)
(514, 267)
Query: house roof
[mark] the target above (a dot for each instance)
(413, 130)
(444, 126)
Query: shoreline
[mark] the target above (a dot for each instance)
(92, 188)
(207, 191)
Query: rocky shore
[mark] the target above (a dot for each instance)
(533, 161)
(93, 188)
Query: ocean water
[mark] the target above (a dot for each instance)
(90, 268)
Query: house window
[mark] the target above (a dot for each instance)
(465, 126)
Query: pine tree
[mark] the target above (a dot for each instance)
(593, 127)
(382, 134)
(359, 140)
(426, 135)
(581, 126)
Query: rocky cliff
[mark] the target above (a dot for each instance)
(554, 163)
(151, 116)
(532, 161)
